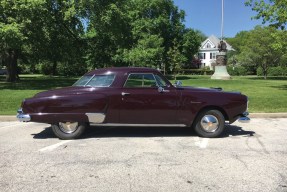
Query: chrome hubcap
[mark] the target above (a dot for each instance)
(68, 127)
(209, 123)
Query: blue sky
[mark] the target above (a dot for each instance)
(205, 15)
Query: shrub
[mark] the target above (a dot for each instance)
(67, 69)
(64, 69)
(237, 71)
(45, 67)
(277, 71)
(203, 71)
(273, 71)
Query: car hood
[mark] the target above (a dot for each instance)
(65, 91)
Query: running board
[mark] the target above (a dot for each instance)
(136, 125)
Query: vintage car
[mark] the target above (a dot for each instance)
(130, 96)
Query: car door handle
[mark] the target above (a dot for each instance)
(124, 93)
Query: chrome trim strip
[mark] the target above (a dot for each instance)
(137, 125)
(23, 117)
(195, 102)
(96, 117)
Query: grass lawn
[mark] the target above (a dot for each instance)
(264, 95)
(12, 94)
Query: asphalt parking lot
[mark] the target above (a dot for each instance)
(248, 157)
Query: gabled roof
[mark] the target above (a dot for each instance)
(213, 41)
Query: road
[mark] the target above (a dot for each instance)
(248, 157)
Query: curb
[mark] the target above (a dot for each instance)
(8, 118)
(251, 115)
(268, 115)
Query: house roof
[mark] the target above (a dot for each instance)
(213, 41)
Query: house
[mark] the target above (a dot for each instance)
(208, 50)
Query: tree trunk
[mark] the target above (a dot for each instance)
(54, 69)
(265, 73)
(11, 63)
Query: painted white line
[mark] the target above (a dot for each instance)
(201, 143)
(52, 147)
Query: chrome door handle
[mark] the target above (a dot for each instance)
(124, 93)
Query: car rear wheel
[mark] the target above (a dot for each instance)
(69, 130)
(209, 123)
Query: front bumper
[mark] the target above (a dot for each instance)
(244, 118)
(23, 117)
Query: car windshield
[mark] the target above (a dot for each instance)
(95, 81)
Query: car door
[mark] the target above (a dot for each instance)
(143, 103)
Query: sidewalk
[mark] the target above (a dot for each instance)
(251, 115)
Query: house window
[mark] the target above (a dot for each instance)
(213, 55)
(201, 55)
(208, 45)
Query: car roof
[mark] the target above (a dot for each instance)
(120, 70)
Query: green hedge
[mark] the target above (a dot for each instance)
(273, 71)
(64, 69)
(203, 71)
(237, 71)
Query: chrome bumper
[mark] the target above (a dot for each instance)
(244, 118)
(23, 117)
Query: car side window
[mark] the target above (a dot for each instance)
(141, 80)
(160, 81)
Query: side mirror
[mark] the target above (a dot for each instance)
(162, 90)
(178, 84)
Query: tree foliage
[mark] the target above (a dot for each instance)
(272, 11)
(17, 17)
(37, 30)
(262, 47)
(138, 33)
(57, 35)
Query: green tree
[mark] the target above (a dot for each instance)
(39, 30)
(138, 33)
(17, 17)
(147, 52)
(190, 44)
(64, 34)
(272, 11)
(176, 58)
(108, 32)
(262, 47)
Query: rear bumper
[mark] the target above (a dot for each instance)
(244, 118)
(23, 117)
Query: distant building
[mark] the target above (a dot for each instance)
(208, 50)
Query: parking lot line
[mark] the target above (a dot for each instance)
(52, 147)
(201, 143)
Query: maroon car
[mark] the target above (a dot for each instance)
(133, 97)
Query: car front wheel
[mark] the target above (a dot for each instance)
(68, 130)
(209, 123)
